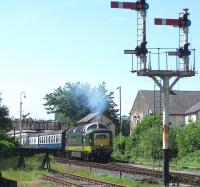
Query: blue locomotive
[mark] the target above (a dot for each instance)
(90, 141)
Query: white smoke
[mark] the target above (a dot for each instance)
(93, 98)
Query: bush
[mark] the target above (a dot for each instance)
(6, 148)
(188, 139)
(145, 141)
(119, 145)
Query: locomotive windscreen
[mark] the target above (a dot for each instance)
(101, 139)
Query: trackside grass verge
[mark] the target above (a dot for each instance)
(101, 176)
(31, 176)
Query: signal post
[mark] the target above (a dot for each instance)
(168, 77)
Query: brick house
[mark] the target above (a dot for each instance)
(184, 106)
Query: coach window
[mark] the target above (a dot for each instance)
(23, 141)
(56, 138)
(59, 138)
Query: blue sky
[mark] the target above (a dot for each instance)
(44, 44)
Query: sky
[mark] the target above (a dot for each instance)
(44, 44)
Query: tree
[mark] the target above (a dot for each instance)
(146, 139)
(75, 100)
(6, 144)
(188, 139)
(5, 122)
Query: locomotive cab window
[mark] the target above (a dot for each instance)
(101, 136)
(78, 129)
(94, 126)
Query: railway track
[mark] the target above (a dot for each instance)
(149, 175)
(76, 180)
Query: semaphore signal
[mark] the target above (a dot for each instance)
(144, 69)
(180, 22)
(183, 23)
(138, 6)
(141, 7)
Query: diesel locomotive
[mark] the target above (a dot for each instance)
(92, 142)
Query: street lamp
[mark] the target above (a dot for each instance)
(120, 114)
(22, 94)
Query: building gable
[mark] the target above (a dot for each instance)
(180, 104)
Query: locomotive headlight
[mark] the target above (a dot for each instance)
(101, 145)
(84, 140)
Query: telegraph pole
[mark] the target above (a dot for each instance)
(144, 67)
(120, 112)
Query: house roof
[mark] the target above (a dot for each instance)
(193, 109)
(89, 117)
(180, 102)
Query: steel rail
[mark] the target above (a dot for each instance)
(177, 177)
(61, 179)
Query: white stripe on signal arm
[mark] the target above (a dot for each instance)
(120, 5)
(164, 21)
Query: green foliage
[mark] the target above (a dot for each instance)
(119, 144)
(188, 139)
(7, 145)
(5, 122)
(191, 160)
(145, 143)
(173, 131)
(75, 100)
(6, 148)
(146, 140)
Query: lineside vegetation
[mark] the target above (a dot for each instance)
(145, 144)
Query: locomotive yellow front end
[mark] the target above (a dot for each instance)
(101, 139)
(102, 145)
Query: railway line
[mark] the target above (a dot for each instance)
(136, 172)
(77, 181)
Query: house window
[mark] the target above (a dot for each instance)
(137, 120)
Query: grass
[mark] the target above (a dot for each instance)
(31, 176)
(102, 176)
